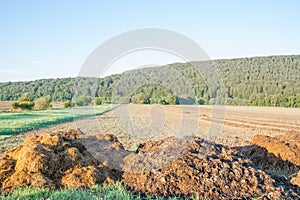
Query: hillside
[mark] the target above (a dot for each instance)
(258, 81)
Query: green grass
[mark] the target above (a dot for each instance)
(7, 142)
(116, 191)
(15, 122)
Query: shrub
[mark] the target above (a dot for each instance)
(83, 101)
(23, 105)
(97, 101)
(201, 101)
(26, 105)
(42, 103)
(68, 104)
(15, 105)
(25, 102)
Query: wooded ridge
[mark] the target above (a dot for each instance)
(257, 81)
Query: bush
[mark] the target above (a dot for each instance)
(26, 105)
(15, 105)
(140, 98)
(83, 101)
(25, 102)
(97, 101)
(23, 105)
(42, 103)
(68, 104)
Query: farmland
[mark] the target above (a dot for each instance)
(5, 105)
(134, 123)
(145, 124)
(16, 122)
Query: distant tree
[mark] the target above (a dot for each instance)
(260, 81)
(140, 98)
(42, 103)
(25, 102)
(25, 97)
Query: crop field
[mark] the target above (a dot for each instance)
(16, 122)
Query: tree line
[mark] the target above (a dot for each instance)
(258, 81)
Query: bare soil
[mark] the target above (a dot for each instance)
(5, 105)
(235, 126)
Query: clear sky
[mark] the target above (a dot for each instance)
(53, 38)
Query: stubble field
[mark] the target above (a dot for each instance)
(232, 126)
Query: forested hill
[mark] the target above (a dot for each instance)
(259, 81)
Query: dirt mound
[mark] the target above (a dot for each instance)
(296, 180)
(204, 169)
(276, 154)
(188, 166)
(286, 146)
(56, 160)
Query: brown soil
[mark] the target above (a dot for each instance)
(5, 105)
(204, 169)
(296, 180)
(55, 160)
(286, 146)
(280, 153)
(134, 124)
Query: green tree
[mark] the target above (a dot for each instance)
(25, 97)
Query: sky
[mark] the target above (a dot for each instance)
(49, 39)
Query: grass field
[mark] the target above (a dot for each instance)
(15, 122)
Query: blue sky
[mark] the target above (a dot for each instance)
(53, 38)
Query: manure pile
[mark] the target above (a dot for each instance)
(189, 166)
(205, 170)
(54, 160)
(281, 153)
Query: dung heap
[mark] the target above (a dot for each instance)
(286, 146)
(56, 160)
(204, 169)
(280, 153)
(188, 166)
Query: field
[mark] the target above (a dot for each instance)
(5, 105)
(134, 124)
(235, 125)
(16, 122)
